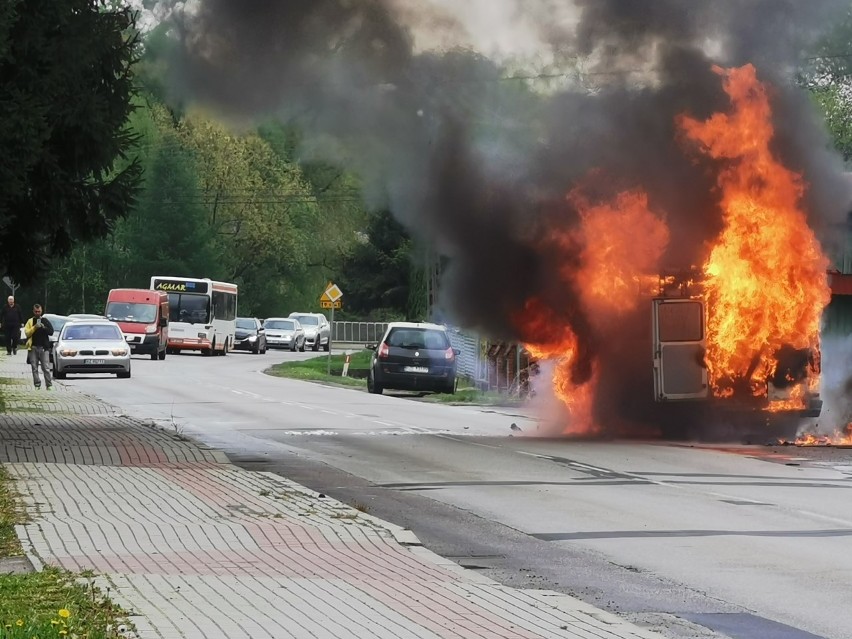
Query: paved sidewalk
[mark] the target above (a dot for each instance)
(195, 547)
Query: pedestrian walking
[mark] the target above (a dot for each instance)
(12, 320)
(38, 331)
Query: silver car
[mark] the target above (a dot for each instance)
(91, 346)
(284, 332)
(317, 330)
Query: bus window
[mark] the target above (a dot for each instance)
(193, 309)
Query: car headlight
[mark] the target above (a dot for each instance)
(119, 352)
(252, 338)
(151, 328)
(67, 352)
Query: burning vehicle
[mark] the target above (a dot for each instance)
(740, 333)
(783, 380)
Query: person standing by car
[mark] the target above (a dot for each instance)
(12, 319)
(38, 331)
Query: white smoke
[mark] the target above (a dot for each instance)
(836, 385)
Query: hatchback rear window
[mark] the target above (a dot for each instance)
(425, 338)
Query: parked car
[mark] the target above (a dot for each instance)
(91, 346)
(284, 332)
(317, 330)
(413, 356)
(250, 336)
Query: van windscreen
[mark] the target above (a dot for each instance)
(131, 312)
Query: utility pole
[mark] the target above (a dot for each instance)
(433, 277)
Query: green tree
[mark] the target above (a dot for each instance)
(259, 208)
(65, 96)
(376, 278)
(167, 233)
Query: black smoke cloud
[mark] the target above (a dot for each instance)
(479, 167)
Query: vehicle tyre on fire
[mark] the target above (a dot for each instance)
(413, 356)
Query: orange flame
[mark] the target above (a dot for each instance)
(622, 245)
(766, 280)
(838, 438)
(560, 345)
(621, 242)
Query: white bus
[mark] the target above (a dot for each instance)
(202, 314)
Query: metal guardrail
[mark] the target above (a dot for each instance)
(358, 332)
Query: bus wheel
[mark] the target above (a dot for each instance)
(210, 351)
(225, 349)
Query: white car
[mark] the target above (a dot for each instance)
(91, 346)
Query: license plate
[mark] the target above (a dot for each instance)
(94, 361)
(415, 369)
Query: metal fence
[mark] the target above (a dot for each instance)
(468, 362)
(358, 332)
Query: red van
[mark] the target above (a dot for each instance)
(143, 316)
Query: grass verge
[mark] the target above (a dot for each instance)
(473, 396)
(52, 603)
(55, 603)
(315, 369)
(9, 516)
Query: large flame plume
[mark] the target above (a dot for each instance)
(619, 244)
(766, 283)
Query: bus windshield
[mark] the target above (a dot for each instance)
(193, 309)
(131, 312)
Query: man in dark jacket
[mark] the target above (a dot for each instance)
(12, 320)
(38, 331)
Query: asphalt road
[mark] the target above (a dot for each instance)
(693, 541)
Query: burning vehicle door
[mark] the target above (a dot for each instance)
(680, 371)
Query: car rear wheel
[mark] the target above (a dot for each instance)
(373, 387)
(302, 347)
(58, 375)
(316, 345)
(327, 346)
